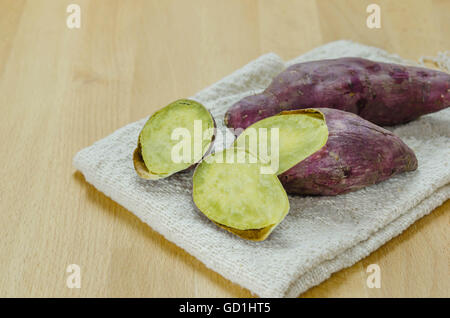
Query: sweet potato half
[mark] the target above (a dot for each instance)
(382, 93)
(356, 153)
(297, 136)
(154, 156)
(237, 196)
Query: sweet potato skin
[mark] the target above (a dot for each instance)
(382, 93)
(357, 154)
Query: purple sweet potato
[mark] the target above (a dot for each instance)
(384, 94)
(356, 154)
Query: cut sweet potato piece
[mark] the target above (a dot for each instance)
(328, 152)
(237, 196)
(154, 156)
(357, 154)
(297, 136)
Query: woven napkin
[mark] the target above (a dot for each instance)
(320, 235)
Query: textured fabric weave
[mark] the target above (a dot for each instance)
(320, 235)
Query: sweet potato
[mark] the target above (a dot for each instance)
(348, 154)
(384, 94)
(357, 154)
(237, 196)
(283, 141)
(154, 156)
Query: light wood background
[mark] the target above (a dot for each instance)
(61, 90)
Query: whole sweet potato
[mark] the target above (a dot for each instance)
(384, 94)
(356, 154)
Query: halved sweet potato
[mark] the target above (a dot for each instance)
(339, 153)
(297, 136)
(237, 196)
(159, 139)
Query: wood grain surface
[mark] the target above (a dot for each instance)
(62, 89)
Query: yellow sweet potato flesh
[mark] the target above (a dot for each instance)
(153, 158)
(237, 196)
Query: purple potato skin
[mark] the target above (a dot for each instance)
(382, 93)
(357, 154)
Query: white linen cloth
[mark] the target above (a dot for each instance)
(320, 235)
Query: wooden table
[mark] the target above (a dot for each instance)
(62, 89)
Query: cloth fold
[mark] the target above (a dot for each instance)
(320, 235)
